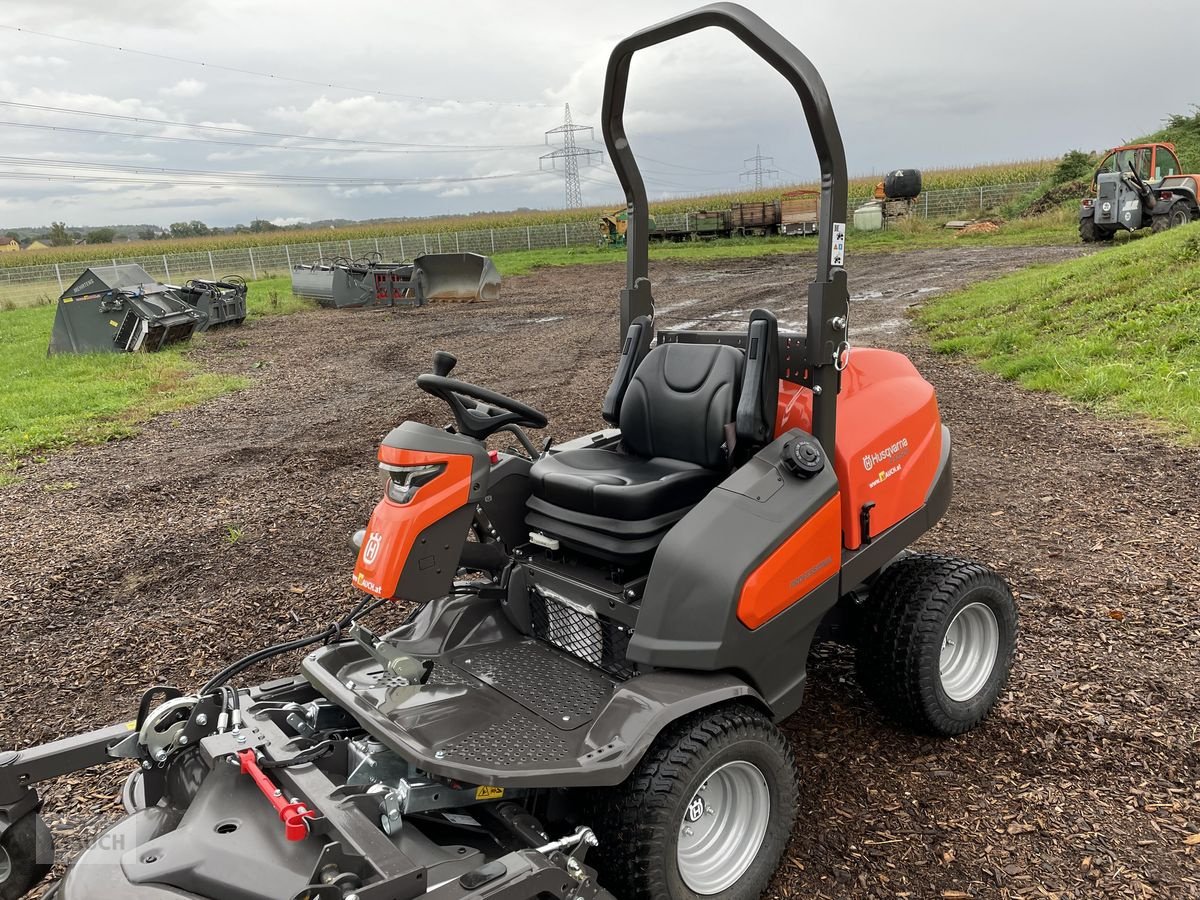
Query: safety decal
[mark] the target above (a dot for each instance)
(837, 256)
(488, 792)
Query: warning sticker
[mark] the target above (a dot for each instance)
(488, 792)
(837, 254)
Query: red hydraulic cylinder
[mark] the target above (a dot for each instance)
(293, 815)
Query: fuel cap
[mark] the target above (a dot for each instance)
(803, 457)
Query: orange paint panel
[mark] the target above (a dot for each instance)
(889, 437)
(395, 527)
(801, 563)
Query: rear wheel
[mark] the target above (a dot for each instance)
(1179, 214)
(26, 853)
(707, 813)
(1088, 232)
(937, 642)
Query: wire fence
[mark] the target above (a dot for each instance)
(29, 285)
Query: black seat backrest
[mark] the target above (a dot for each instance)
(633, 351)
(759, 400)
(679, 401)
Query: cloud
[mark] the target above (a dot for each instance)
(39, 62)
(285, 221)
(188, 87)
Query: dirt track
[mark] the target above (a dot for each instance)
(223, 528)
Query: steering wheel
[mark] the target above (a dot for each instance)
(490, 412)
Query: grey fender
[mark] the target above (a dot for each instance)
(642, 708)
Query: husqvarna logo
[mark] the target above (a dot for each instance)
(897, 450)
(371, 548)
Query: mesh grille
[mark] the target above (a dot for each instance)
(596, 640)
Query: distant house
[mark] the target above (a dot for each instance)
(9, 246)
(37, 245)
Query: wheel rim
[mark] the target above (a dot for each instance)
(969, 650)
(723, 827)
(5, 866)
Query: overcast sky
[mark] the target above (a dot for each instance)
(474, 84)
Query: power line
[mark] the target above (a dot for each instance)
(269, 75)
(570, 154)
(225, 129)
(758, 170)
(67, 129)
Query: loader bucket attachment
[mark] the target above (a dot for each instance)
(121, 309)
(314, 282)
(220, 302)
(464, 277)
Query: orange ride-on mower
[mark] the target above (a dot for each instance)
(584, 702)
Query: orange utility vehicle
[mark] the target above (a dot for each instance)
(605, 634)
(1138, 186)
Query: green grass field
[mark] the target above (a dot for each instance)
(1118, 331)
(52, 402)
(1056, 229)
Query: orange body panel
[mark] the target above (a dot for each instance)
(802, 562)
(889, 437)
(395, 527)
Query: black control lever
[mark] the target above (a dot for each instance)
(443, 362)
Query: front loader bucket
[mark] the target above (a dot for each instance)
(463, 277)
(314, 282)
(121, 309)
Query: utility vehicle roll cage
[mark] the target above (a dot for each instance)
(823, 350)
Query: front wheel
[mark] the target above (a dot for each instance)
(707, 813)
(937, 642)
(26, 853)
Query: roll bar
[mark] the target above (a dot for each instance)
(827, 295)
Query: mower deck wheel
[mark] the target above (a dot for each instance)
(936, 642)
(26, 849)
(707, 813)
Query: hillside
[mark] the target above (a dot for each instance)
(1184, 132)
(1118, 330)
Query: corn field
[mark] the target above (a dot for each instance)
(860, 187)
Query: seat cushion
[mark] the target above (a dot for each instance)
(617, 486)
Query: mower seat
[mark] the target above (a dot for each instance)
(674, 416)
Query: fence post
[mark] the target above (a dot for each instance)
(439, 242)
(565, 243)
(253, 270)
(927, 204)
(58, 275)
(981, 198)
(402, 248)
(212, 266)
(288, 253)
(166, 268)
(425, 242)
(377, 245)
(529, 237)
(349, 248)
(456, 247)
(492, 231)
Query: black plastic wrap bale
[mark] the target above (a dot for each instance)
(220, 302)
(121, 309)
(902, 184)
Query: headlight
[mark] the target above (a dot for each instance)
(401, 483)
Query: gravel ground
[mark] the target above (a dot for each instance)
(222, 528)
